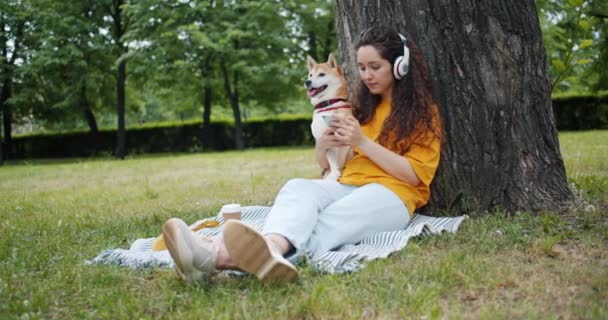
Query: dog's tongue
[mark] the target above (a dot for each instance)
(312, 92)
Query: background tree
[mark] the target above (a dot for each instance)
(574, 34)
(119, 27)
(67, 77)
(314, 26)
(239, 49)
(253, 50)
(174, 41)
(15, 40)
(599, 11)
(491, 79)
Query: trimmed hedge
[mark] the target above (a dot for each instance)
(581, 112)
(166, 138)
(574, 112)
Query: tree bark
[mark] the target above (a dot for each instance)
(207, 105)
(3, 67)
(233, 97)
(206, 71)
(120, 110)
(121, 77)
(7, 119)
(94, 137)
(1, 142)
(7, 85)
(87, 111)
(491, 78)
(312, 45)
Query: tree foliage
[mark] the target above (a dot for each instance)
(67, 78)
(16, 42)
(65, 56)
(241, 51)
(575, 34)
(64, 59)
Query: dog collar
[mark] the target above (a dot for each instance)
(346, 106)
(327, 103)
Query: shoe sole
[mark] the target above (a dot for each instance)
(181, 253)
(250, 252)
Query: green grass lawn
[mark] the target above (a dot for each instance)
(54, 215)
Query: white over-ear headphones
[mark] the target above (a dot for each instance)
(402, 63)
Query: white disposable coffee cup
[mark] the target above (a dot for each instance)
(231, 211)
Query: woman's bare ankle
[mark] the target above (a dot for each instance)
(278, 243)
(223, 260)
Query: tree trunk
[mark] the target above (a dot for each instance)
(1, 143)
(120, 110)
(207, 105)
(6, 76)
(233, 97)
(87, 111)
(3, 65)
(1, 140)
(491, 78)
(312, 45)
(7, 125)
(207, 99)
(120, 27)
(94, 137)
(7, 119)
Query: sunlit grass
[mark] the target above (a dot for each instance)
(585, 156)
(54, 215)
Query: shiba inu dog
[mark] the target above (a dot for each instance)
(328, 94)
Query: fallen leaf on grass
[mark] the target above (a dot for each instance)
(509, 284)
(470, 295)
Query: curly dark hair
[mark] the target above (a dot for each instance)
(413, 103)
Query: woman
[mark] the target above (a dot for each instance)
(396, 135)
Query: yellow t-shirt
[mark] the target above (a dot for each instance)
(423, 156)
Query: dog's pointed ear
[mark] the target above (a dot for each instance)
(340, 72)
(310, 62)
(331, 60)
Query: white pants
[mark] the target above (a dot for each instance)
(320, 215)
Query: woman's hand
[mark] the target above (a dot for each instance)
(347, 131)
(344, 131)
(328, 139)
(323, 143)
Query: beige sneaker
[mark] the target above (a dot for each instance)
(250, 252)
(194, 256)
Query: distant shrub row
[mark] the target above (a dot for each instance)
(182, 137)
(575, 112)
(581, 112)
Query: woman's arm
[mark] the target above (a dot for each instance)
(396, 165)
(348, 132)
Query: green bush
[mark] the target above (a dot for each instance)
(166, 137)
(572, 112)
(581, 112)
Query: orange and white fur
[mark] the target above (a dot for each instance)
(327, 89)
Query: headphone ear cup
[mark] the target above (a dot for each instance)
(397, 73)
(401, 66)
(402, 63)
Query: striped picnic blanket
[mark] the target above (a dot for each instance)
(347, 258)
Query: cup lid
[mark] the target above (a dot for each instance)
(231, 208)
